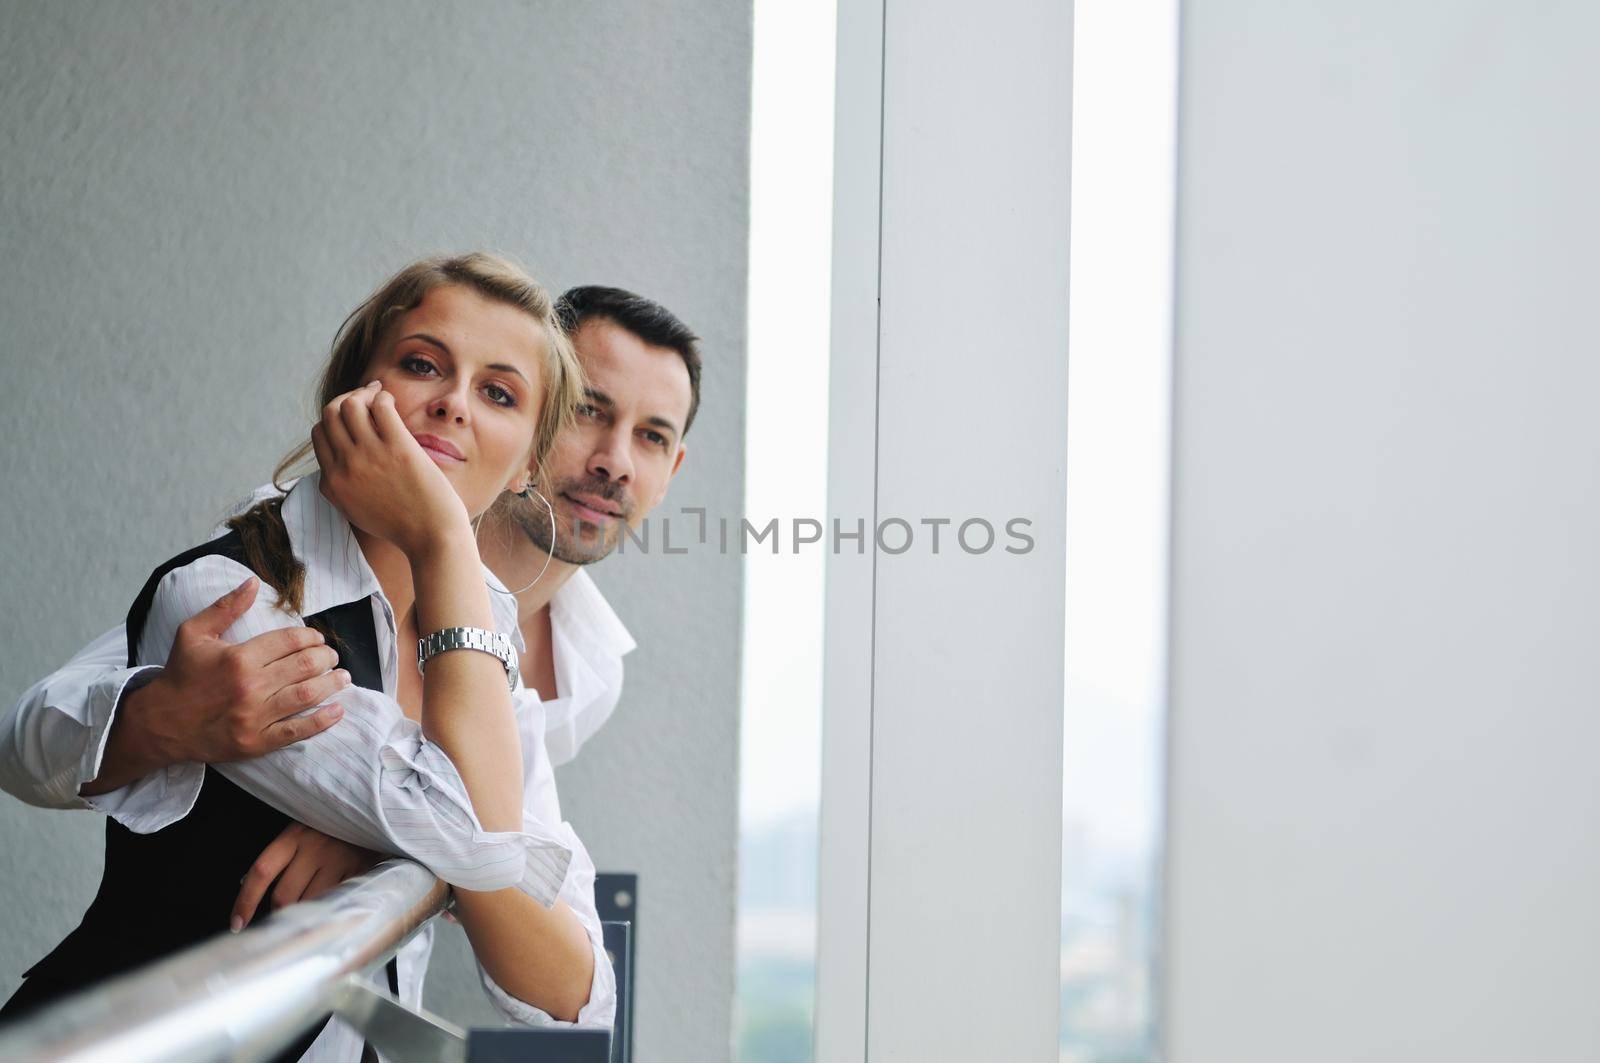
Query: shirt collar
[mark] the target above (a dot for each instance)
(588, 619)
(336, 570)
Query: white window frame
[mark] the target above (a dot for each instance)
(940, 900)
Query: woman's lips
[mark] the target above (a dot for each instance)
(441, 450)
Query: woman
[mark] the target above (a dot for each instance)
(444, 390)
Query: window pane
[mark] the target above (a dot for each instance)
(791, 187)
(1117, 422)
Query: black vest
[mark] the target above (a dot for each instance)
(164, 891)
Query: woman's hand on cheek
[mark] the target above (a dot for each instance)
(379, 477)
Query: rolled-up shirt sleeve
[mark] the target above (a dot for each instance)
(601, 1007)
(542, 809)
(372, 779)
(53, 739)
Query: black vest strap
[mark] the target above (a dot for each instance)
(164, 891)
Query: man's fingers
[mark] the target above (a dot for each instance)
(299, 728)
(297, 667)
(270, 647)
(268, 866)
(219, 616)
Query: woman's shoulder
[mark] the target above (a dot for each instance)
(200, 574)
(183, 586)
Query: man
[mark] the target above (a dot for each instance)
(608, 472)
(98, 735)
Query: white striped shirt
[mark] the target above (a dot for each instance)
(372, 779)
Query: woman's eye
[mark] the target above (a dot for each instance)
(586, 409)
(419, 366)
(499, 395)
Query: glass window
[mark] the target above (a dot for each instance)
(791, 188)
(1124, 97)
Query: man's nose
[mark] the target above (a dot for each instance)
(610, 458)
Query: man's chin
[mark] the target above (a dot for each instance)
(586, 543)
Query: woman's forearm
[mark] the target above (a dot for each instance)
(466, 705)
(541, 956)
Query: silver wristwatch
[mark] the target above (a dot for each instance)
(470, 638)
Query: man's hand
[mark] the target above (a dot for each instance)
(216, 701)
(305, 863)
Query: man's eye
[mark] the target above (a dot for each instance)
(499, 395)
(656, 438)
(419, 366)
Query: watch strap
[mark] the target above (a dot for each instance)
(494, 643)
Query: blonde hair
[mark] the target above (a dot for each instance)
(261, 530)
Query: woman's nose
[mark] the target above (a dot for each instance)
(450, 405)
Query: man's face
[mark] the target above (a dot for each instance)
(613, 467)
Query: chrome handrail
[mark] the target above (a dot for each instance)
(245, 996)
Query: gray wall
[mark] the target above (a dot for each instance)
(1384, 801)
(193, 195)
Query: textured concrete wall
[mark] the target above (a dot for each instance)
(193, 195)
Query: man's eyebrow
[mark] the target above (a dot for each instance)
(595, 395)
(662, 422)
(499, 367)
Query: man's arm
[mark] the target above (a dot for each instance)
(77, 738)
(375, 780)
(51, 740)
(217, 701)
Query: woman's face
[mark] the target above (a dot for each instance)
(466, 374)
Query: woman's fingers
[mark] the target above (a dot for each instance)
(320, 447)
(347, 424)
(355, 412)
(334, 430)
(386, 419)
(268, 866)
(327, 877)
(304, 864)
(292, 883)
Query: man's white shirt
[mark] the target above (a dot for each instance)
(371, 779)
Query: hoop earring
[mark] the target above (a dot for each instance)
(552, 512)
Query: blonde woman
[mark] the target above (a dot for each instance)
(444, 390)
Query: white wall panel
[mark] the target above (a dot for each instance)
(968, 383)
(1383, 798)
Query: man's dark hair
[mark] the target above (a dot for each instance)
(645, 318)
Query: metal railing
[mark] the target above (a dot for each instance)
(245, 996)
